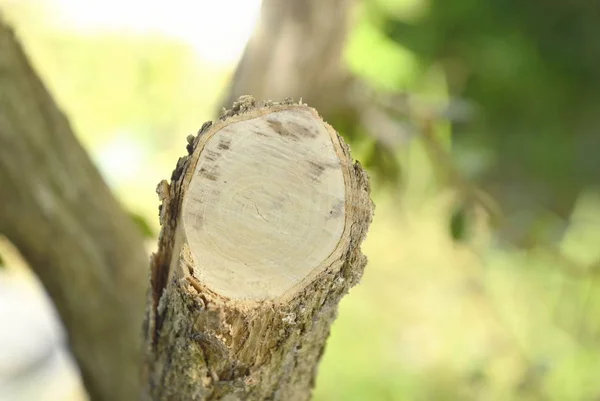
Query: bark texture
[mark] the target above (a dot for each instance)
(56, 209)
(204, 346)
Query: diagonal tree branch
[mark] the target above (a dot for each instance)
(55, 207)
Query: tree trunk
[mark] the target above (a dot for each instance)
(261, 230)
(296, 50)
(62, 217)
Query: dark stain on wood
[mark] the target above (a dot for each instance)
(259, 132)
(211, 155)
(337, 210)
(224, 144)
(316, 169)
(198, 221)
(302, 130)
(208, 173)
(278, 127)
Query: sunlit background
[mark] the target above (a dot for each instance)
(439, 314)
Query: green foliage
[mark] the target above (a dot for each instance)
(459, 223)
(382, 162)
(530, 69)
(529, 72)
(142, 223)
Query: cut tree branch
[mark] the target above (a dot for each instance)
(261, 231)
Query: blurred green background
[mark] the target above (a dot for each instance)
(466, 297)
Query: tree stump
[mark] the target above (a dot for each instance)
(261, 231)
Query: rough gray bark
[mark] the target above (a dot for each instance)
(62, 217)
(205, 346)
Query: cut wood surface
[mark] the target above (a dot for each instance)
(261, 230)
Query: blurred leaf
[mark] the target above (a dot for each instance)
(142, 223)
(374, 57)
(459, 224)
(409, 36)
(383, 163)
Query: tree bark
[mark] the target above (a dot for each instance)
(261, 230)
(62, 217)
